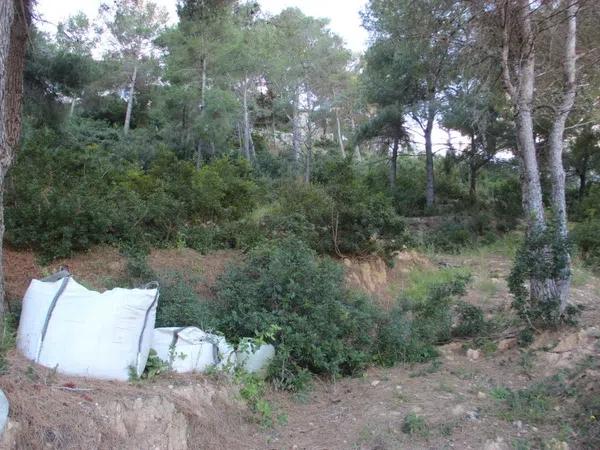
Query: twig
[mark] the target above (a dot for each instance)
(70, 389)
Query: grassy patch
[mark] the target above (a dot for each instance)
(420, 281)
(487, 287)
(581, 276)
(415, 425)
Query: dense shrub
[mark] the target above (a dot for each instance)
(410, 332)
(470, 320)
(323, 327)
(360, 221)
(586, 236)
(71, 190)
(179, 305)
(451, 236)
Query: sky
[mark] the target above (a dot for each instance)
(343, 14)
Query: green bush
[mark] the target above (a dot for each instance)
(410, 332)
(323, 328)
(360, 220)
(84, 186)
(470, 321)
(450, 236)
(586, 236)
(180, 306)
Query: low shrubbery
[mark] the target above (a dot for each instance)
(586, 236)
(323, 327)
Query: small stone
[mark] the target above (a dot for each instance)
(507, 344)
(473, 354)
(518, 424)
(498, 444)
(593, 332)
(473, 415)
(375, 383)
(534, 429)
(555, 444)
(398, 387)
(170, 386)
(458, 410)
(481, 395)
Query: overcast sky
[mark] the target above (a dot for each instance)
(344, 14)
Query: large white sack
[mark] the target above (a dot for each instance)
(226, 357)
(185, 349)
(255, 359)
(86, 333)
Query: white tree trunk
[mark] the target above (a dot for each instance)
(247, 135)
(339, 134)
(556, 145)
(521, 94)
(357, 153)
(130, 101)
(296, 134)
(430, 182)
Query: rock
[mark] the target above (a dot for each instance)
(567, 344)
(518, 424)
(473, 415)
(481, 395)
(3, 411)
(592, 332)
(8, 438)
(459, 410)
(507, 344)
(473, 354)
(498, 444)
(451, 347)
(375, 383)
(555, 444)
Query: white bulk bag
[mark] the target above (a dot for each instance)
(255, 359)
(86, 333)
(184, 349)
(226, 357)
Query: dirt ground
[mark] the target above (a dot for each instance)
(453, 396)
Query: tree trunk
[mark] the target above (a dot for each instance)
(72, 108)
(542, 288)
(15, 17)
(394, 164)
(357, 153)
(130, 101)
(430, 183)
(339, 134)
(199, 155)
(247, 134)
(296, 129)
(556, 145)
(203, 85)
(473, 181)
(308, 167)
(582, 183)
